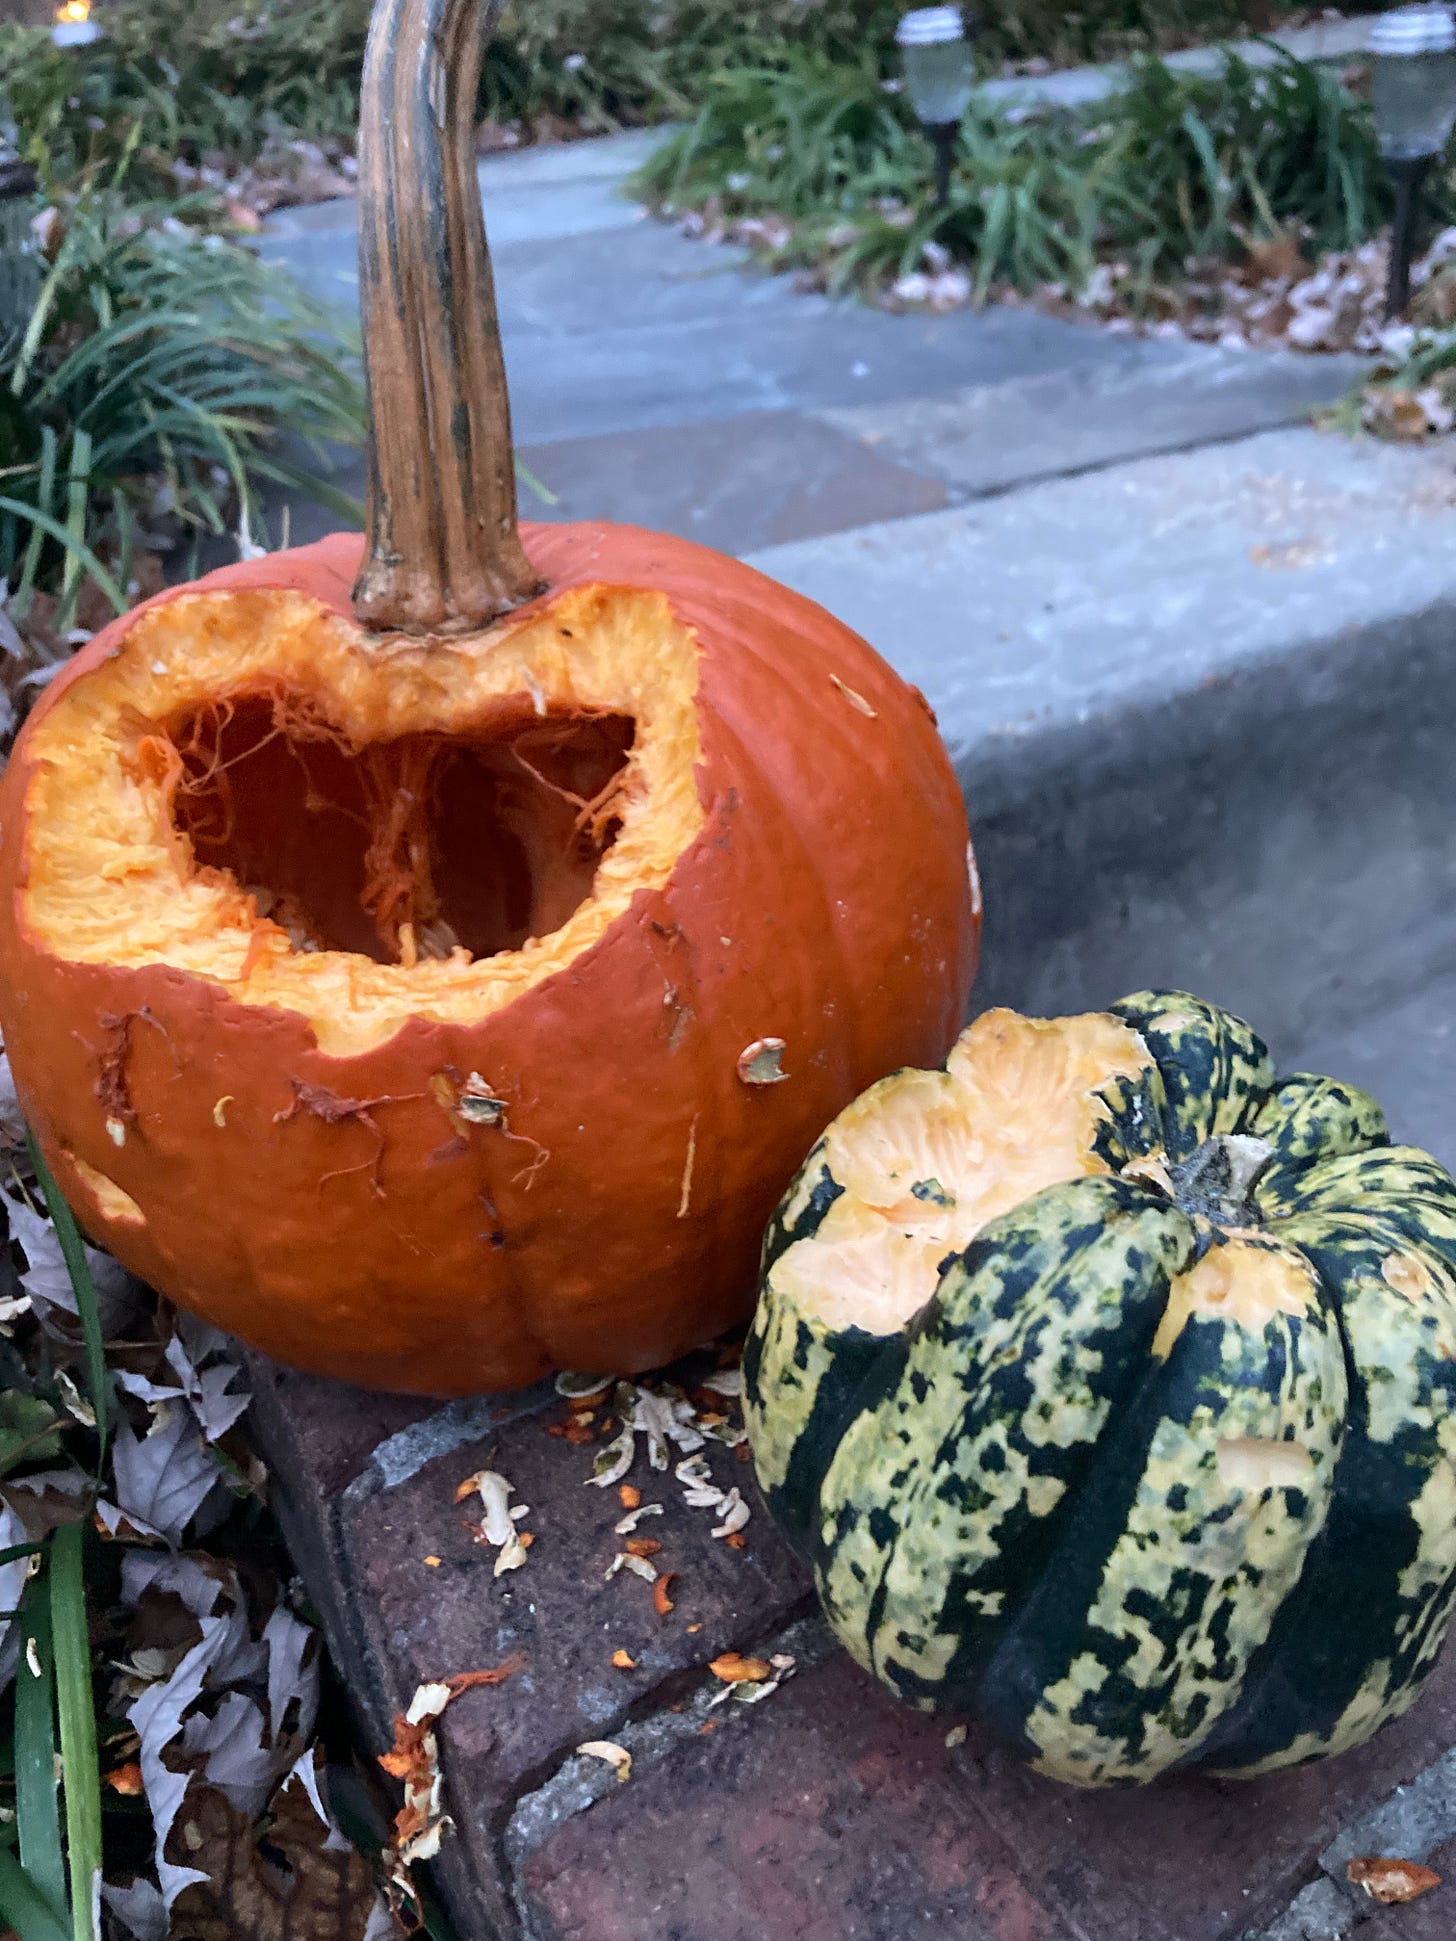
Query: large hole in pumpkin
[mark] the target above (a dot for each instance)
(403, 849)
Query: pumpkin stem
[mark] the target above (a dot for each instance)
(443, 553)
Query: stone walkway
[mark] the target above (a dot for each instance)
(1194, 663)
(657, 382)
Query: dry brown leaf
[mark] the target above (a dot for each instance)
(310, 1893)
(734, 1669)
(1391, 1882)
(1277, 257)
(1397, 414)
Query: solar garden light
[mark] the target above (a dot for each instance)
(936, 54)
(73, 25)
(1413, 91)
(19, 273)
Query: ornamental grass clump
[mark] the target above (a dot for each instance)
(1172, 172)
(144, 397)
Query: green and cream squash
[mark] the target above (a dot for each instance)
(1108, 1384)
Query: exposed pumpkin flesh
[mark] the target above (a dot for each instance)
(217, 709)
(926, 1159)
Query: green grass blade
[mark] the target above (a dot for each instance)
(75, 1257)
(77, 501)
(68, 539)
(44, 486)
(22, 1906)
(37, 1797)
(76, 1704)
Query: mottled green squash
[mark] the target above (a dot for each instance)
(1109, 1387)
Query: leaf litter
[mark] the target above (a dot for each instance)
(208, 1678)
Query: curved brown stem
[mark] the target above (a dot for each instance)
(443, 553)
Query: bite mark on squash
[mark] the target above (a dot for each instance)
(1409, 1276)
(1258, 1463)
(1245, 1281)
(925, 1160)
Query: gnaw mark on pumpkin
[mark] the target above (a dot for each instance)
(320, 1103)
(472, 1105)
(113, 1202)
(761, 1063)
(685, 1199)
(113, 1090)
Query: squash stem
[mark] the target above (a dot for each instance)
(443, 552)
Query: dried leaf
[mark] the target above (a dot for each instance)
(225, 1654)
(228, 1747)
(1391, 1882)
(12, 1119)
(202, 1358)
(1278, 257)
(47, 1281)
(244, 1894)
(163, 1479)
(139, 1908)
(293, 1676)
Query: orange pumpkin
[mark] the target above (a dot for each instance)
(443, 990)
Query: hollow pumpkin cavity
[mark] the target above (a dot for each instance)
(364, 830)
(404, 849)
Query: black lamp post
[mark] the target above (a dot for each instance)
(936, 53)
(19, 271)
(1413, 91)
